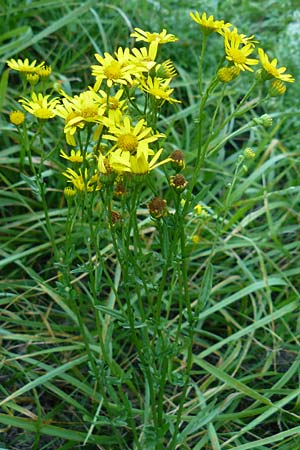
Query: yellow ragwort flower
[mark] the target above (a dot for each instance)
(40, 106)
(271, 71)
(44, 71)
(77, 111)
(118, 70)
(207, 24)
(161, 38)
(146, 56)
(81, 182)
(159, 89)
(238, 55)
(139, 165)
(74, 157)
(24, 66)
(16, 118)
(131, 139)
(241, 38)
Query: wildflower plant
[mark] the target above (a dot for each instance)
(128, 190)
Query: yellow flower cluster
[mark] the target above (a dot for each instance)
(115, 116)
(31, 70)
(238, 48)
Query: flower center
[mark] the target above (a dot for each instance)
(43, 113)
(89, 111)
(113, 71)
(238, 56)
(128, 142)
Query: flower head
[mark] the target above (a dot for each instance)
(227, 74)
(146, 56)
(40, 106)
(161, 38)
(81, 182)
(16, 118)
(208, 24)
(139, 165)
(270, 69)
(131, 139)
(74, 157)
(77, 111)
(158, 207)
(118, 70)
(24, 66)
(159, 89)
(237, 54)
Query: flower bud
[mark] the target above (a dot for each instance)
(32, 78)
(177, 158)
(16, 118)
(277, 88)
(227, 74)
(249, 153)
(69, 192)
(116, 218)
(265, 120)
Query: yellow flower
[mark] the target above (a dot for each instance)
(120, 70)
(238, 55)
(75, 157)
(198, 209)
(44, 71)
(241, 38)
(32, 78)
(119, 161)
(24, 66)
(113, 102)
(161, 38)
(209, 25)
(159, 89)
(16, 118)
(131, 139)
(81, 182)
(40, 106)
(271, 71)
(86, 107)
(146, 56)
(195, 239)
(139, 165)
